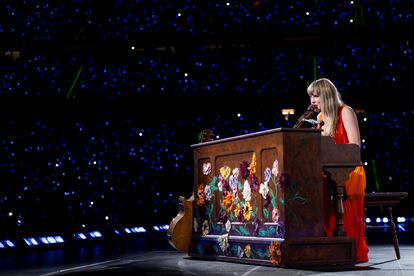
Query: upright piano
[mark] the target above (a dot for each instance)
(258, 199)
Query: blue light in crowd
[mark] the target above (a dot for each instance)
(401, 219)
(7, 244)
(30, 241)
(95, 234)
(138, 229)
(81, 236)
(386, 220)
(161, 227)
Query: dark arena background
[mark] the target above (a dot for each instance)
(100, 102)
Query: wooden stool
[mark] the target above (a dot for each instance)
(385, 199)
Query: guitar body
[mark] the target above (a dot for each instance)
(180, 229)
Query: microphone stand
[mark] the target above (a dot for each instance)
(309, 112)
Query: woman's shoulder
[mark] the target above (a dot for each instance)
(347, 111)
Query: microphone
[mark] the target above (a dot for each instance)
(315, 123)
(309, 112)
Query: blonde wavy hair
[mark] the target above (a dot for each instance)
(330, 101)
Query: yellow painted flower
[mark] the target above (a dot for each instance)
(236, 210)
(228, 201)
(275, 253)
(205, 228)
(201, 196)
(225, 171)
(253, 164)
(248, 250)
(247, 210)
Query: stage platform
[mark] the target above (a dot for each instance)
(152, 255)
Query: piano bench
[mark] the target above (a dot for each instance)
(388, 200)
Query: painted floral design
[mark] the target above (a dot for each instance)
(228, 201)
(236, 172)
(256, 226)
(224, 242)
(248, 251)
(233, 184)
(275, 215)
(267, 175)
(252, 167)
(228, 226)
(207, 193)
(267, 201)
(254, 183)
(240, 252)
(275, 168)
(244, 169)
(236, 209)
(223, 216)
(247, 210)
(223, 185)
(205, 228)
(275, 253)
(200, 195)
(280, 230)
(240, 216)
(247, 192)
(225, 171)
(264, 189)
(207, 168)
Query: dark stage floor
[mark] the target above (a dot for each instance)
(152, 255)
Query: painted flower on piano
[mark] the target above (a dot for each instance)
(207, 192)
(207, 168)
(248, 250)
(275, 253)
(252, 167)
(254, 182)
(275, 215)
(201, 200)
(223, 185)
(224, 242)
(225, 171)
(233, 184)
(236, 210)
(247, 192)
(247, 210)
(228, 201)
(264, 189)
(244, 169)
(205, 228)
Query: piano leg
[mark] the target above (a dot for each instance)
(339, 174)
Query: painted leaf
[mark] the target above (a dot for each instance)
(213, 184)
(273, 200)
(244, 231)
(266, 213)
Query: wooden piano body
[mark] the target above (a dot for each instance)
(258, 199)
